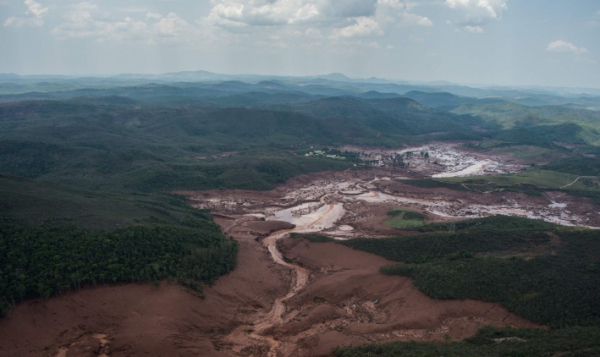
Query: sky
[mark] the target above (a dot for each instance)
(482, 42)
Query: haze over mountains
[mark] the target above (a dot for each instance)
(446, 94)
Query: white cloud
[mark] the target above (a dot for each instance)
(36, 8)
(362, 14)
(34, 16)
(364, 26)
(264, 23)
(478, 12)
(170, 26)
(313, 33)
(474, 29)
(413, 19)
(480, 9)
(239, 13)
(396, 4)
(153, 16)
(84, 20)
(563, 46)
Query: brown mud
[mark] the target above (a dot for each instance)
(287, 296)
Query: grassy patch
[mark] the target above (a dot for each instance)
(401, 218)
(315, 238)
(535, 177)
(536, 153)
(430, 183)
(475, 236)
(478, 184)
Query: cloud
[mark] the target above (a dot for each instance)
(413, 19)
(397, 4)
(474, 29)
(241, 13)
(480, 9)
(478, 12)
(364, 26)
(170, 26)
(34, 16)
(563, 46)
(84, 21)
(313, 33)
(396, 11)
(347, 18)
(264, 23)
(36, 8)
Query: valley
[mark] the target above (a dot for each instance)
(293, 217)
(336, 295)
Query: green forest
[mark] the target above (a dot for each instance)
(43, 261)
(492, 342)
(55, 238)
(545, 273)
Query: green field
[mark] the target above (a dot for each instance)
(535, 177)
(401, 218)
(536, 154)
(541, 178)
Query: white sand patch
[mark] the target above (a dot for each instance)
(557, 205)
(345, 228)
(473, 170)
(314, 220)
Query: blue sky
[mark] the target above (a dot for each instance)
(491, 42)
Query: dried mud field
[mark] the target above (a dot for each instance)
(288, 296)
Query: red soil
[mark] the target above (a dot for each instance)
(145, 320)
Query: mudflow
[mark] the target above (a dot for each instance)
(288, 296)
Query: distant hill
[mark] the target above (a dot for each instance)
(378, 95)
(192, 75)
(445, 100)
(336, 77)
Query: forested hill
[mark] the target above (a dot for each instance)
(127, 147)
(171, 135)
(55, 238)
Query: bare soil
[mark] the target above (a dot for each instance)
(348, 301)
(288, 297)
(140, 319)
